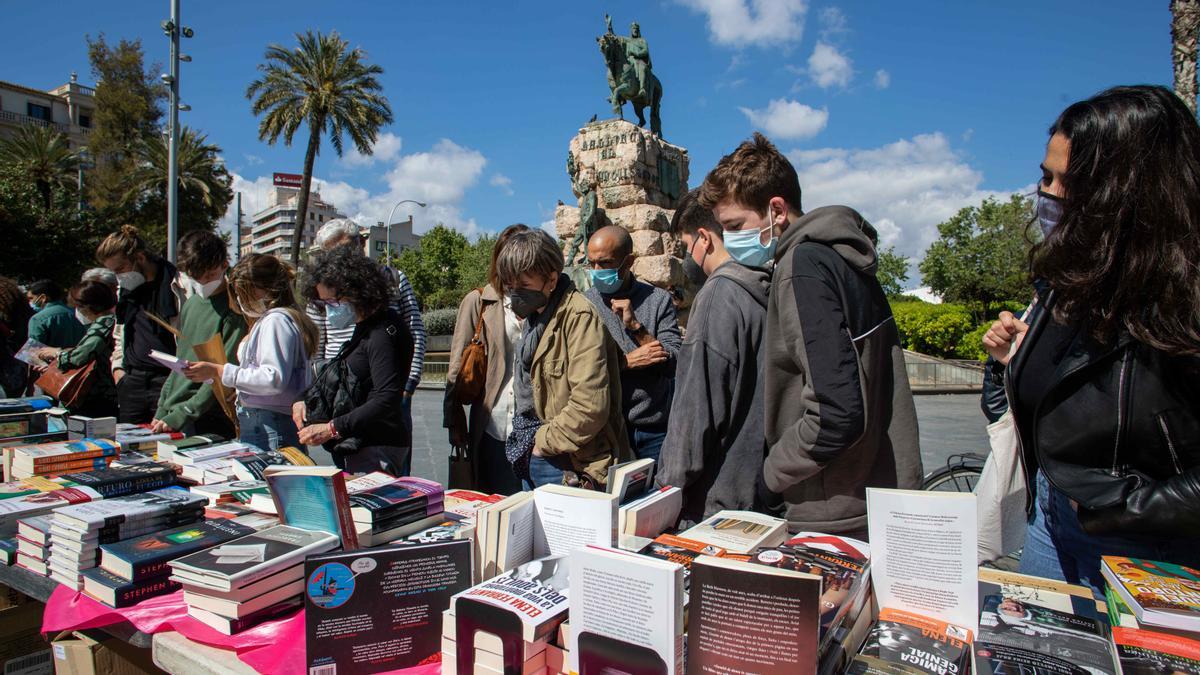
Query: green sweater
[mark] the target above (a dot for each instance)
(95, 345)
(182, 401)
(56, 326)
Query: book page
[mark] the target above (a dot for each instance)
(565, 523)
(517, 542)
(923, 554)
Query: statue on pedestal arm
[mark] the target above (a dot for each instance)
(589, 222)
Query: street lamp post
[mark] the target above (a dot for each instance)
(173, 31)
(388, 260)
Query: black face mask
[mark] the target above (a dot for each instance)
(695, 274)
(526, 301)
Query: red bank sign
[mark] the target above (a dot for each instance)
(291, 180)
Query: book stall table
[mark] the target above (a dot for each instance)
(179, 655)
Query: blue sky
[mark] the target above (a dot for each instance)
(905, 110)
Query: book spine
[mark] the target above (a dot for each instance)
(131, 595)
(127, 486)
(58, 458)
(342, 503)
(67, 466)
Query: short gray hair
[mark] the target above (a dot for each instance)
(530, 251)
(336, 229)
(101, 274)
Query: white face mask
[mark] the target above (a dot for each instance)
(127, 281)
(203, 290)
(81, 318)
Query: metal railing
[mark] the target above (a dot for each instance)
(435, 372)
(18, 118)
(943, 376)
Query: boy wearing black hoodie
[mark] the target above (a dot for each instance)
(838, 409)
(715, 429)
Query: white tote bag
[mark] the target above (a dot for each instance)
(1001, 493)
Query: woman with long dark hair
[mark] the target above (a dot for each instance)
(1105, 384)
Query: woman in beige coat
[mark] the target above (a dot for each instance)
(485, 428)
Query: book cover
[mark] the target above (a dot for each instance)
(185, 456)
(651, 514)
(114, 481)
(381, 502)
(147, 556)
(1144, 652)
(451, 527)
(129, 508)
(739, 531)
(368, 481)
(313, 498)
(38, 503)
(1057, 595)
(1019, 637)
(32, 485)
(680, 551)
(217, 492)
(917, 644)
(842, 579)
(1159, 593)
(250, 558)
(526, 603)
(626, 613)
(403, 589)
(748, 618)
(230, 626)
(920, 560)
(630, 480)
(116, 592)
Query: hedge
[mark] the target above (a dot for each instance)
(440, 321)
(945, 330)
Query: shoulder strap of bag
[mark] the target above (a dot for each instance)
(479, 320)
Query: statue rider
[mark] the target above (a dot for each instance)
(637, 55)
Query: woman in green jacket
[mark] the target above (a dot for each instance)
(94, 303)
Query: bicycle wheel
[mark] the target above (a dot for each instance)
(953, 479)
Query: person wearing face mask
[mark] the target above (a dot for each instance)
(94, 303)
(641, 319)
(183, 405)
(53, 323)
(271, 369)
(1102, 381)
(147, 284)
(568, 425)
(716, 425)
(839, 412)
(372, 434)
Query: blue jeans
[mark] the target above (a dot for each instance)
(267, 429)
(543, 473)
(646, 444)
(1057, 547)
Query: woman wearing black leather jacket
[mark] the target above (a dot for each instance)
(1105, 384)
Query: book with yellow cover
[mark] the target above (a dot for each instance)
(1159, 593)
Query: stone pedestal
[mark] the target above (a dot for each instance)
(639, 179)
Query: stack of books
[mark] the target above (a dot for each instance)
(80, 427)
(165, 449)
(139, 437)
(33, 544)
(126, 480)
(137, 568)
(223, 493)
(78, 530)
(387, 512)
(1154, 610)
(245, 581)
(525, 605)
(38, 503)
(48, 459)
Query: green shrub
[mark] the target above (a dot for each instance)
(971, 345)
(440, 321)
(936, 330)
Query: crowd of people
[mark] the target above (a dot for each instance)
(786, 392)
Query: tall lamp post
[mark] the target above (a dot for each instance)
(389, 225)
(173, 30)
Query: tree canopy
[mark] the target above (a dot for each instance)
(447, 266)
(892, 272)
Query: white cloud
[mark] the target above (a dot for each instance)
(503, 182)
(788, 119)
(387, 147)
(748, 23)
(439, 177)
(833, 21)
(883, 79)
(828, 67)
(904, 188)
(253, 160)
(550, 228)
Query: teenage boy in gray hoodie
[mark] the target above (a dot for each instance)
(715, 430)
(839, 412)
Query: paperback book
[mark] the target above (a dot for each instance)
(914, 644)
(313, 498)
(39, 503)
(117, 592)
(1145, 652)
(526, 603)
(148, 555)
(114, 481)
(739, 531)
(242, 561)
(1159, 593)
(1018, 637)
(680, 551)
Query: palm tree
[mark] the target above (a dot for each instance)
(326, 85)
(44, 155)
(1185, 24)
(200, 170)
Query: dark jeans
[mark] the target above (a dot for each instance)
(646, 444)
(543, 473)
(1056, 546)
(390, 459)
(494, 470)
(137, 396)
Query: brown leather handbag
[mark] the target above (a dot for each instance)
(69, 387)
(472, 371)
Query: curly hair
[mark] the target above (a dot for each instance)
(1124, 255)
(354, 278)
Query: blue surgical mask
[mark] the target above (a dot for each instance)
(607, 281)
(1049, 212)
(339, 314)
(747, 248)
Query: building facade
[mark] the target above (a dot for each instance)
(375, 239)
(69, 108)
(271, 230)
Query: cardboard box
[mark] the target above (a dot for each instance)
(22, 648)
(92, 652)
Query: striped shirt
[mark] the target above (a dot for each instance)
(405, 303)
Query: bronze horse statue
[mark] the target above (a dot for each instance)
(622, 80)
